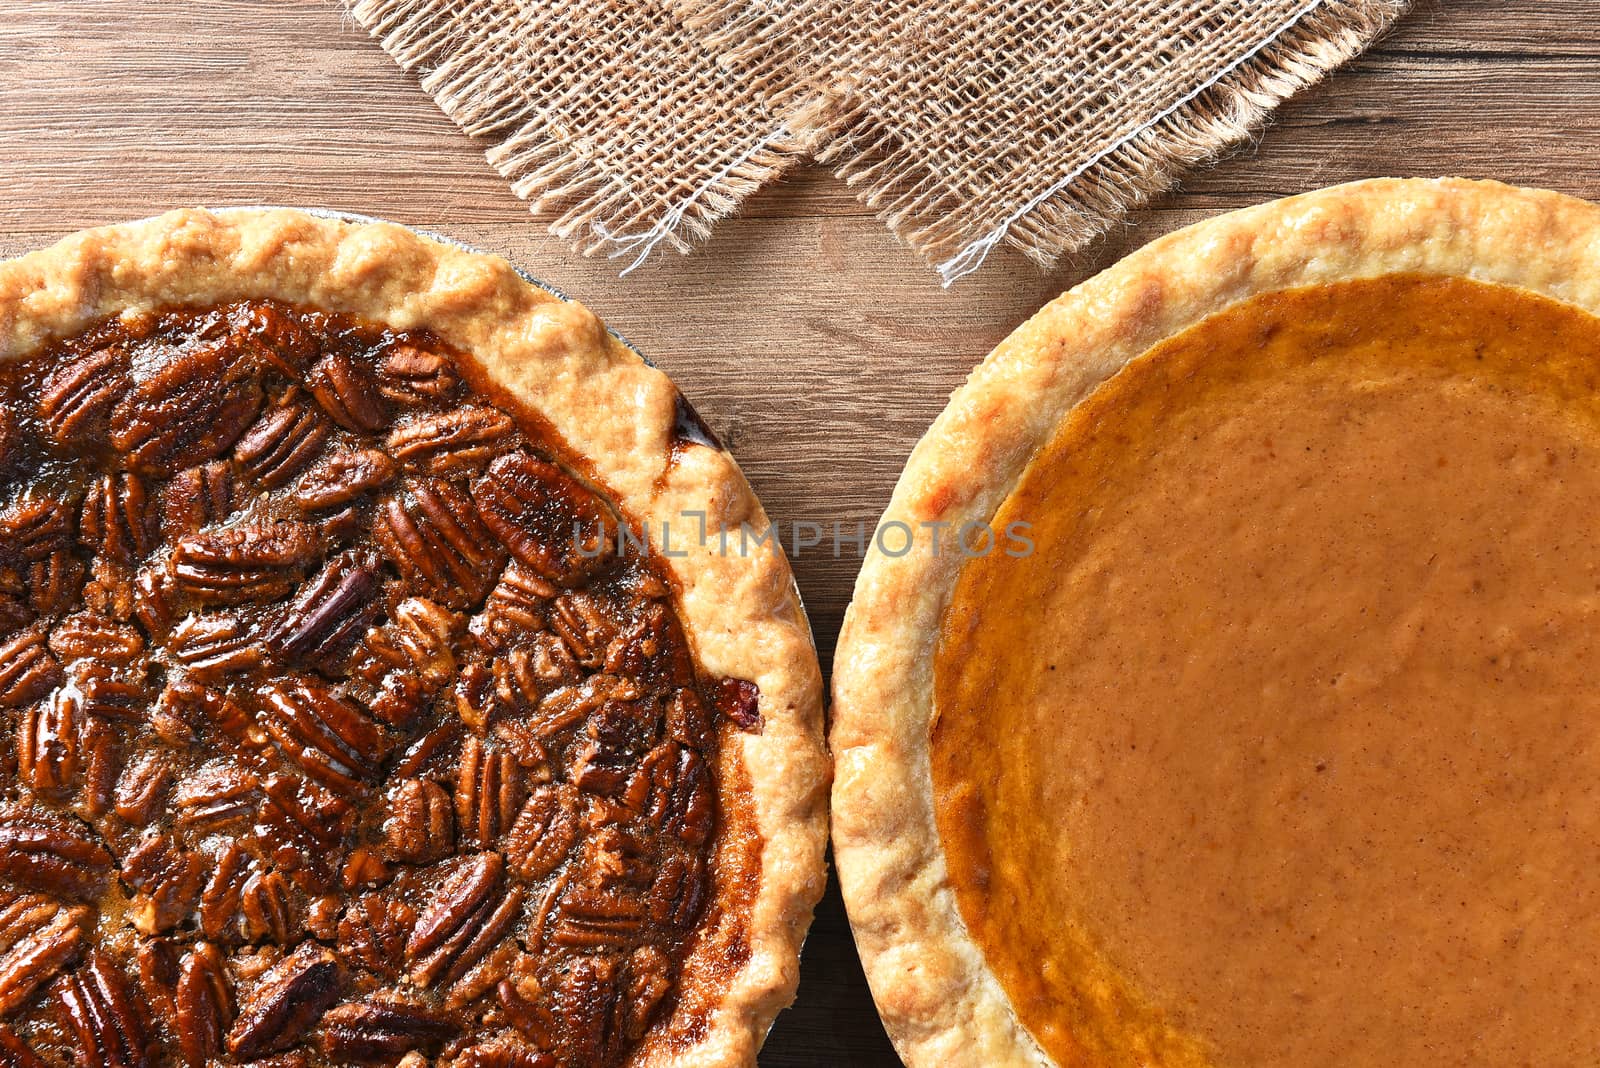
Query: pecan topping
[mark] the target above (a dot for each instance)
(612, 744)
(36, 526)
(87, 636)
(15, 1053)
(167, 879)
(736, 700)
(218, 797)
(221, 902)
(199, 497)
(649, 978)
(154, 593)
(343, 478)
(583, 1005)
(156, 972)
(215, 646)
(330, 613)
(265, 907)
(688, 718)
(106, 689)
(503, 1053)
(50, 744)
(678, 891)
(516, 607)
(343, 731)
(586, 626)
(189, 709)
(301, 826)
(525, 676)
(469, 914)
(14, 614)
(416, 642)
(118, 524)
(542, 834)
(277, 337)
(488, 793)
(678, 794)
(143, 787)
(373, 933)
(599, 920)
(37, 529)
(55, 583)
(326, 736)
(348, 392)
(102, 763)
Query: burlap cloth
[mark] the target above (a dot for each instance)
(963, 123)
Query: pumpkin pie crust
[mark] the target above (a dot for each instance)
(1274, 744)
(353, 715)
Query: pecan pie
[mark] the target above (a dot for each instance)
(1273, 740)
(353, 718)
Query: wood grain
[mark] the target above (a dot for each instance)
(815, 345)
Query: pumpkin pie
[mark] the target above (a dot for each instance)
(1245, 715)
(350, 716)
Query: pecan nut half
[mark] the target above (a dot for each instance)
(434, 538)
(382, 1027)
(202, 1005)
(548, 519)
(77, 398)
(244, 564)
(446, 443)
(287, 1003)
(52, 854)
(469, 914)
(53, 937)
(99, 1008)
(188, 411)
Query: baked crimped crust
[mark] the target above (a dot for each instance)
(939, 999)
(618, 417)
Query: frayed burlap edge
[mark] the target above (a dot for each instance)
(591, 211)
(945, 228)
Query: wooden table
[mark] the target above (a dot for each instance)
(816, 346)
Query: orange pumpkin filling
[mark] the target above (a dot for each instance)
(1283, 747)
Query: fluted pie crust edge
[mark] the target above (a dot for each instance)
(619, 416)
(938, 997)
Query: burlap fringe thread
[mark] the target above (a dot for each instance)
(607, 115)
(964, 125)
(1025, 122)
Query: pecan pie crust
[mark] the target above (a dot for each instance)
(349, 723)
(944, 999)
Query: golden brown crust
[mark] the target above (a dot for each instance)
(742, 613)
(938, 998)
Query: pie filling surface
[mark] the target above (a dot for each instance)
(1283, 746)
(338, 726)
